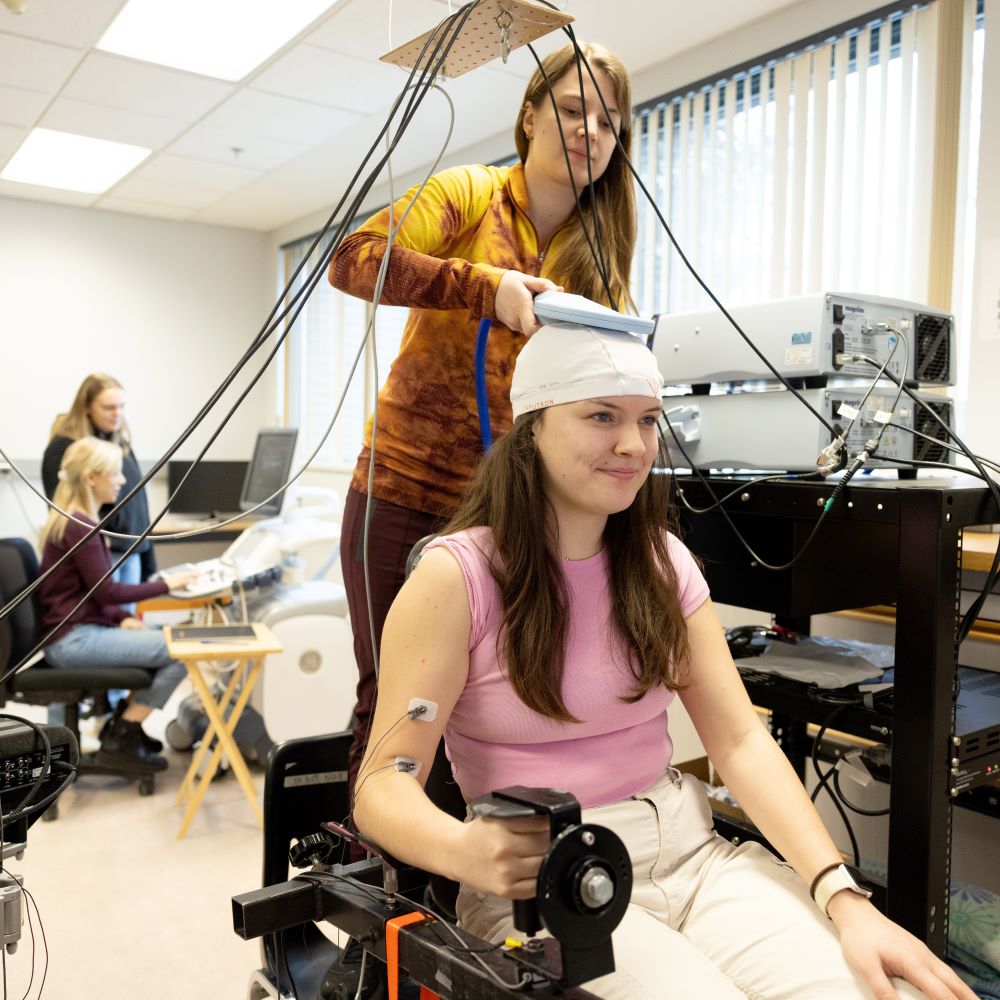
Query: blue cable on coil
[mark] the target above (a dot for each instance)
(482, 400)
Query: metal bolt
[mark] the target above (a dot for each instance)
(953, 792)
(956, 741)
(947, 518)
(588, 838)
(744, 497)
(820, 501)
(954, 762)
(596, 888)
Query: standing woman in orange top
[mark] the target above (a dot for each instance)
(479, 242)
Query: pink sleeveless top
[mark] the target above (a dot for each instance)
(616, 749)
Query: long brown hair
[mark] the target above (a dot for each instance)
(507, 497)
(76, 423)
(73, 495)
(614, 196)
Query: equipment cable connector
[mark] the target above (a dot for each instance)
(829, 460)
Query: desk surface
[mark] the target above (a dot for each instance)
(978, 550)
(229, 649)
(206, 527)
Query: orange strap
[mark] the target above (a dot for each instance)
(392, 953)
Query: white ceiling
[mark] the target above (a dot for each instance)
(284, 142)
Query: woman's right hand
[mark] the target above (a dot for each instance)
(502, 856)
(175, 581)
(514, 305)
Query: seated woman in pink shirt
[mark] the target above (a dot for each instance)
(552, 624)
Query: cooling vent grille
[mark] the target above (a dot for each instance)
(933, 349)
(924, 450)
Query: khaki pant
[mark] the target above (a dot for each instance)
(707, 919)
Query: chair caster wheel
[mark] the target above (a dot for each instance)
(146, 786)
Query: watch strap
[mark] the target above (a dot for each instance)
(835, 879)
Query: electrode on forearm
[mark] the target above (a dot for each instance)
(423, 709)
(407, 765)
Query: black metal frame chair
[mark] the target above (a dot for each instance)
(305, 784)
(43, 684)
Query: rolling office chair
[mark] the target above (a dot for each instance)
(43, 684)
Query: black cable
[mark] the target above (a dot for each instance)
(687, 263)
(311, 282)
(970, 616)
(850, 805)
(296, 301)
(827, 507)
(45, 943)
(995, 466)
(381, 895)
(599, 262)
(31, 978)
(824, 778)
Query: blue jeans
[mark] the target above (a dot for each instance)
(90, 646)
(128, 572)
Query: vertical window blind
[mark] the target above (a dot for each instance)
(320, 350)
(806, 172)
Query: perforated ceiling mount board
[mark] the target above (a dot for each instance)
(481, 38)
(566, 307)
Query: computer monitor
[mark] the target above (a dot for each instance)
(213, 487)
(269, 468)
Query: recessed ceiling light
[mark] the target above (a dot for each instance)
(72, 162)
(221, 38)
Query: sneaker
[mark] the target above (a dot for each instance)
(152, 744)
(123, 746)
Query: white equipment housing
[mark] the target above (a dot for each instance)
(308, 688)
(805, 337)
(772, 430)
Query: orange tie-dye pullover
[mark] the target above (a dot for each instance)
(468, 227)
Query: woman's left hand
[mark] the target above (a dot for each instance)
(132, 623)
(879, 949)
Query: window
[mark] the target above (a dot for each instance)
(811, 170)
(320, 352)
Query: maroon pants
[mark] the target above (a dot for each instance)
(392, 533)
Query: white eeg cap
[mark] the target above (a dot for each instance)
(564, 363)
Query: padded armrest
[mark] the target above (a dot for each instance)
(45, 678)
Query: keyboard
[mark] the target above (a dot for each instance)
(213, 578)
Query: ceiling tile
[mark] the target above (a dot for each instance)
(311, 73)
(188, 172)
(116, 204)
(144, 88)
(280, 117)
(10, 139)
(21, 107)
(84, 118)
(66, 22)
(252, 151)
(33, 192)
(34, 65)
(135, 188)
(363, 27)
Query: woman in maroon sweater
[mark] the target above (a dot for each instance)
(83, 623)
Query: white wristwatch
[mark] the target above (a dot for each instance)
(833, 881)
